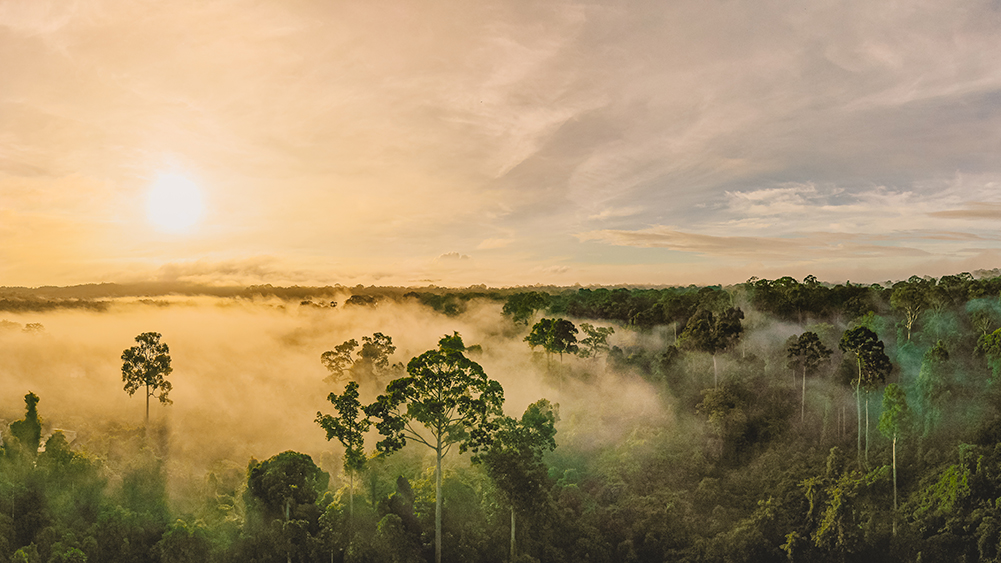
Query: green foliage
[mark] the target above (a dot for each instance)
(446, 393)
(873, 363)
(348, 426)
(896, 418)
(372, 360)
(514, 459)
(555, 336)
(278, 486)
(27, 431)
(596, 340)
(989, 345)
(147, 365)
(522, 306)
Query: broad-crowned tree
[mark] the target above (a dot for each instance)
(873, 367)
(808, 352)
(514, 459)
(147, 365)
(556, 336)
(445, 399)
(712, 333)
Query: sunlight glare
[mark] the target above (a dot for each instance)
(174, 204)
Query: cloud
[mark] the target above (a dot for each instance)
(804, 246)
(973, 210)
(451, 257)
(492, 243)
(615, 212)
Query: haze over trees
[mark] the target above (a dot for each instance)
(644, 460)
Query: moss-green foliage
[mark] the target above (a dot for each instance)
(699, 474)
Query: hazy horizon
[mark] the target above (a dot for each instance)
(497, 143)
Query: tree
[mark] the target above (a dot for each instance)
(338, 361)
(989, 345)
(808, 351)
(372, 359)
(514, 458)
(445, 399)
(147, 365)
(28, 431)
(910, 299)
(711, 333)
(521, 306)
(596, 340)
(873, 367)
(556, 336)
(349, 428)
(283, 488)
(895, 420)
(933, 385)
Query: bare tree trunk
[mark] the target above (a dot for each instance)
(437, 504)
(858, 410)
(894, 484)
(351, 496)
(715, 373)
(512, 535)
(867, 428)
(802, 415)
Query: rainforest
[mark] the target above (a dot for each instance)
(771, 420)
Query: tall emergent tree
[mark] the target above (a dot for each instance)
(148, 365)
(873, 367)
(808, 352)
(514, 458)
(556, 336)
(712, 333)
(910, 298)
(349, 428)
(445, 399)
(895, 420)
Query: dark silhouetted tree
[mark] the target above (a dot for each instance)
(873, 367)
(712, 333)
(808, 352)
(147, 365)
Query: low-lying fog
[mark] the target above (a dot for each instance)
(247, 377)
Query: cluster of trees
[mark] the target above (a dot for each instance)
(760, 463)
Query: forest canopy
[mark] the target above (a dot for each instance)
(772, 420)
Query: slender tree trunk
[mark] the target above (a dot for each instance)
(288, 552)
(802, 414)
(147, 406)
(437, 504)
(894, 483)
(512, 534)
(715, 373)
(858, 409)
(867, 428)
(351, 496)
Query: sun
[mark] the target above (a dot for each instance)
(174, 204)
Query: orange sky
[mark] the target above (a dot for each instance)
(505, 143)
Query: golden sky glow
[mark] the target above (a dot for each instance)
(504, 143)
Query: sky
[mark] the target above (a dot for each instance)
(498, 143)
